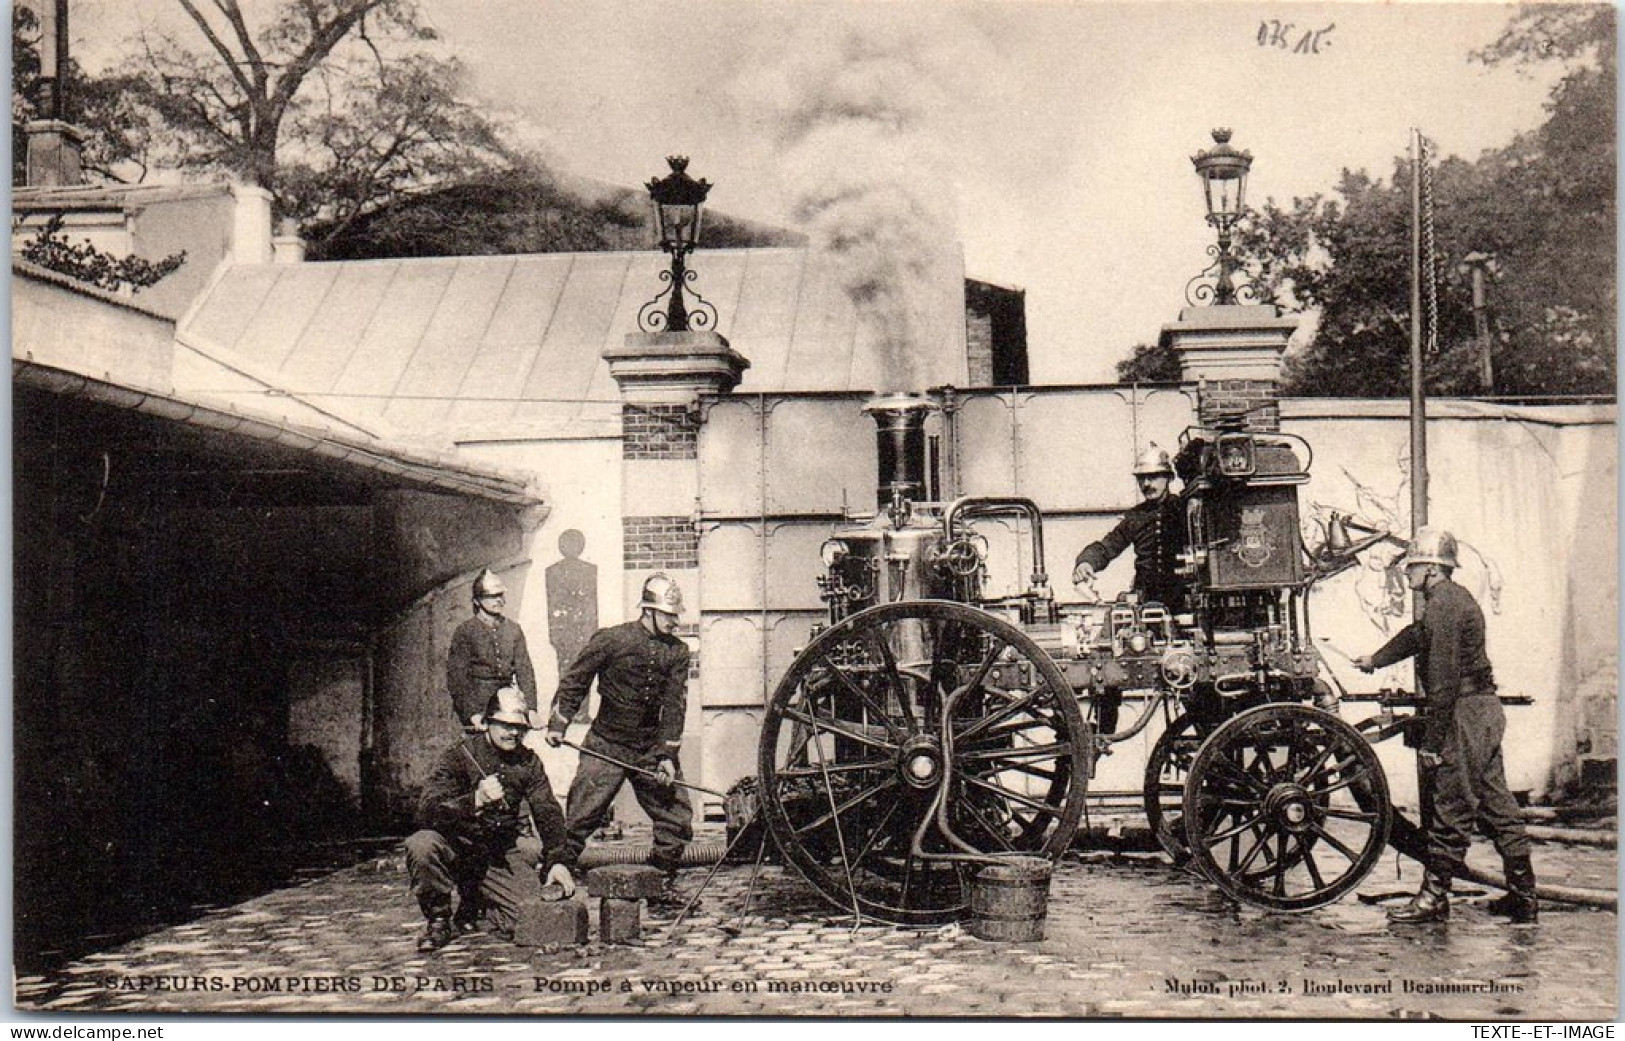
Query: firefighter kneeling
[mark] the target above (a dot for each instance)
(1461, 737)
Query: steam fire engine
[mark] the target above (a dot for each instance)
(928, 727)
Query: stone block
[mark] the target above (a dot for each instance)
(619, 921)
(551, 923)
(626, 881)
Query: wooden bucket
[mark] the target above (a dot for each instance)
(1009, 901)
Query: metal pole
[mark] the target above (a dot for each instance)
(1481, 328)
(59, 94)
(1419, 437)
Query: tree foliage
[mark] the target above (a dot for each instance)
(50, 249)
(1543, 205)
(335, 106)
(527, 209)
(1149, 363)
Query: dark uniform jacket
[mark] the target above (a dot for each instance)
(1448, 644)
(1156, 530)
(484, 658)
(642, 688)
(447, 805)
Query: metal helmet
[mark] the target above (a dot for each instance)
(660, 593)
(507, 705)
(488, 584)
(1432, 546)
(1152, 460)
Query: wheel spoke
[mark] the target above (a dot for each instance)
(879, 833)
(862, 695)
(1024, 768)
(1310, 866)
(1024, 800)
(1055, 750)
(1335, 842)
(1340, 785)
(1258, 844)
(836, 811)
(817, 770)
(1235, 830)
(993, 832)
(1281, 865)
(1350, 815)
(995, 648)
(982, 725)
(840, 727)
(889, 661)
(1223, 765)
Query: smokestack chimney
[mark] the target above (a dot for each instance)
(900, 444)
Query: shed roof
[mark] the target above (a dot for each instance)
(510, 347)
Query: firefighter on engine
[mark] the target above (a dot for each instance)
(1155, 527)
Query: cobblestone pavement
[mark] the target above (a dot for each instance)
(1126, 937)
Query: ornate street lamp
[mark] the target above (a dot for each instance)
(1223, 171)
(678, 201)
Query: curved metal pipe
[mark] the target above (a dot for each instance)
(989, 506)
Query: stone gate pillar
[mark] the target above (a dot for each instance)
(1233, 353)
(662, 377)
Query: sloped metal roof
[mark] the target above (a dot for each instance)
(511, 346)
(376, 461)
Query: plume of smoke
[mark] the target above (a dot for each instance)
(861, 115)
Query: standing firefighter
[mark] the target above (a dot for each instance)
(642, 673)
(487, 653)
(488, 819)
(1463, 724)
(1155, 527)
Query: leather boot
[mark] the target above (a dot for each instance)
(1519, 903)
(1430, 904)
(436, 934)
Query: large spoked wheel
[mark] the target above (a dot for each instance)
(1165, 771)
(895, 710)
(1286, 807)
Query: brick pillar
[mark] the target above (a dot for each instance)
(1232, 352)
(53, 154)
(663, 377)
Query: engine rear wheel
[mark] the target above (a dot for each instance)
(856, 751)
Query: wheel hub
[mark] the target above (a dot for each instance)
(919, 761)
(1288, 805)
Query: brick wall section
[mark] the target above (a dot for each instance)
(659, 432)
(1261, 399)
(660, 542)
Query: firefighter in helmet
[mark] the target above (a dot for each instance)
(1155, 527)
(641, 668)
(487, 653)
(487, 820)
(1462, 727)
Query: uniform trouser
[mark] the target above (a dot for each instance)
(496, 878)
(593, 791)
(1470, 787)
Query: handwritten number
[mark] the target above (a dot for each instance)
(1272, 32)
